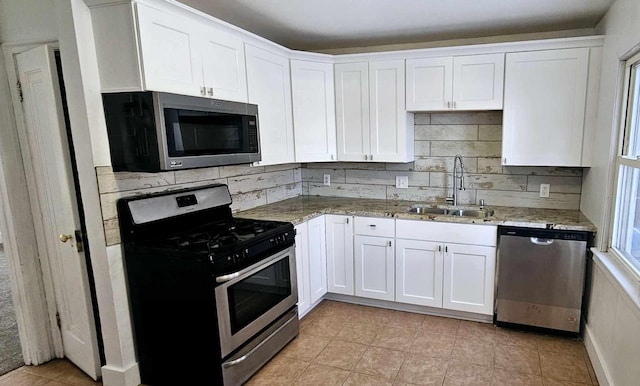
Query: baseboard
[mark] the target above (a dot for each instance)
(596, 357)
(113, 376)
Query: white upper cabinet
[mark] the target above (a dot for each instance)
(473, 82)
(544, 107)
(314, 119)
(187, 56)
(371, 118)
(268, 83)
(170, 51)
(223, 67)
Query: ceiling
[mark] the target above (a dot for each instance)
(330, 24)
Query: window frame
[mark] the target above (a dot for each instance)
(627, 137)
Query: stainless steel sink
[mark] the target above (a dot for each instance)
(481, 213)
(426, 210)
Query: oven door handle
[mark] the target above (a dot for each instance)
(246, 356)
(225, 278)
(228, 277)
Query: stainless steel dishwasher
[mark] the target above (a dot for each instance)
(541, 278)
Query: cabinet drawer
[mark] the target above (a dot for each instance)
(373, 226)
(447, 232)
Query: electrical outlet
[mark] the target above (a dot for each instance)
(544, 190)
(402, 182)
(327, 179)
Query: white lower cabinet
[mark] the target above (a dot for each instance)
(311, 263)
(339, 235)
(469, 272)
(442, 265)
(374, 267)
(419, 272)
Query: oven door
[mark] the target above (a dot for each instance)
(249, 300)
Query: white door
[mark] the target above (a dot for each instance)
(339, 254)
(388, 116)
(314, 111)
(56, 210)
(374, 267)
(317, 259)
(172, 58)
(429, 84)
(352, 111)
(469, 272)
(302, 269)
(223, 65)
(419, 272)
(544, 107)
(478, 82)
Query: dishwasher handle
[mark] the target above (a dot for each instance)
(541, 241)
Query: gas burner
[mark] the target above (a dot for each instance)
(222, 241)
(193, 239)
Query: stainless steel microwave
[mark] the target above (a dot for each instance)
(153, 131)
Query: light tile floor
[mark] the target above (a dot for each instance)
(58, 372)
(345, 344)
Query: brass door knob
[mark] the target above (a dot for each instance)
(64, 238)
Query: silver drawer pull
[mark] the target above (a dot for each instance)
(539, 241)
(372, 225)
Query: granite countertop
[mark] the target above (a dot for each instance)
(303, 208)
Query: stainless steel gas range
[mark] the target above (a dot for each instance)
(212, 297)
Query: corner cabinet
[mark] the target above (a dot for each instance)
(548, 96)
(314, 118)
(473, 82)
(371, 118)
(268, 83)
(311, 263)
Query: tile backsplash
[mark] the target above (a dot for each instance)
(438, 138)
(249, 187)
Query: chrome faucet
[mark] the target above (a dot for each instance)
(454, 196)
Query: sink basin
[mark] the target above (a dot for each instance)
(479, 213)
(471, 213)
(426, 210)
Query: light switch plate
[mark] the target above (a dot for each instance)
(544, 190)
(402, 182)
(327, 179)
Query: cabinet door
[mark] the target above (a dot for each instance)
(419, 272)
(388, 115)
(469, 273)
(352, 110)
(339, 254)
(314, 118)
(374, 265)
(429, 84)
(302, 269)
(169, 45)
(223, 66)
(317, 258)
(478, 82)
(544, 107)
(268, 83)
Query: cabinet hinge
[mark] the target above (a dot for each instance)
(19, 85)
(58, 322)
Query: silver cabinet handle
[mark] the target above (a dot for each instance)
(366, 157)
(446, 249)
(347, 220)
(332, 157)
(454, 104)
(210, 91)
(371, 157)
(372, 225)
(439, 248)
(389, 243)
(448, 104)
(540, 241)
(203, 90)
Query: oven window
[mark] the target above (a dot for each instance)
(258, 293)
(194, 133)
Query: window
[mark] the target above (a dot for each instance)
(626, 231)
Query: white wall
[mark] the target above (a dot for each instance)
(613, 321)
(18, 18)
(622, 32)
